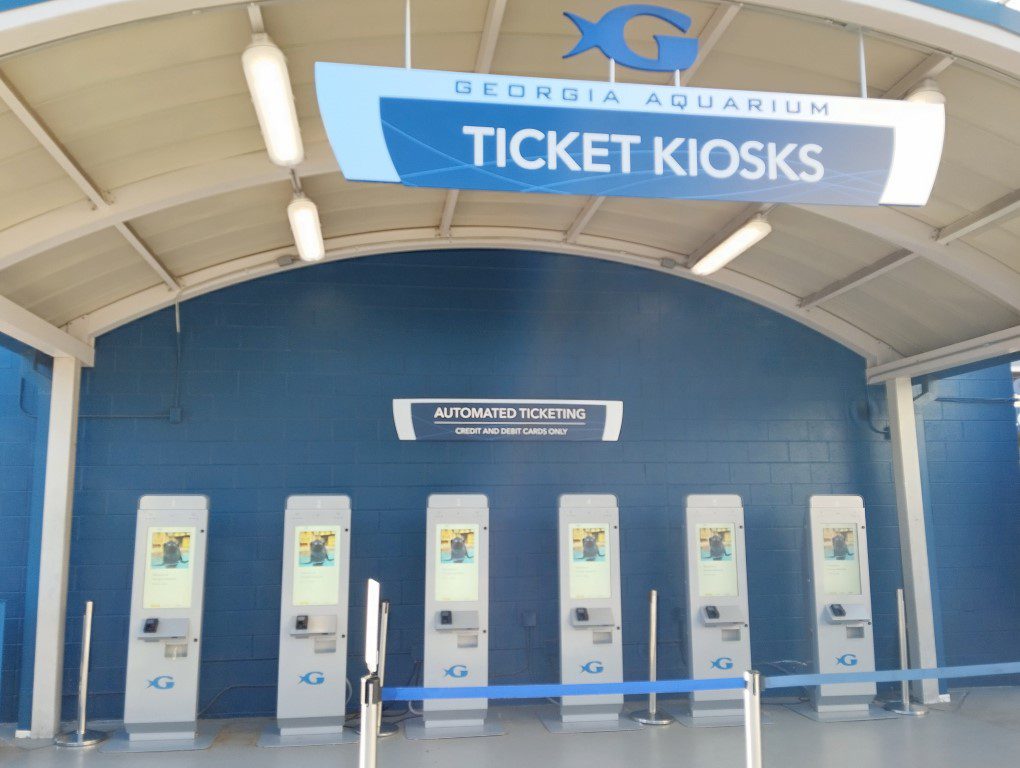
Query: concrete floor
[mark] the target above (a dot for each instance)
(981, 727)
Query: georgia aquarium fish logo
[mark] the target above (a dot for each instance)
(312, 678)
(593, 667)
(606, 34)
(723, 662)
(847, 660)
(161, 683)
(457, 671)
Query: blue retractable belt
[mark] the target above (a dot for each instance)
(546, 690)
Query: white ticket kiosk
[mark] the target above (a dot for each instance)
(839, 599)
(456, 616)
(591, 641)
(718, 634)
(165, 628)
(311, 692)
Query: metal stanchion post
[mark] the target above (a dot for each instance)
(904, 705)
(371, 700)
(752, 718)
(652, 716)
(384, 729)
(81, 737)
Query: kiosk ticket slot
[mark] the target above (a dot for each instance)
(456, 616)
(312, 679)
(839, 596)
(591, 643)
(718, 636)
(165, 628)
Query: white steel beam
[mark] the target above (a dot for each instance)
(55, 548)
(965, 262)
(913, 536)
(860, 277)
(423, 238)
(66, 224)
(721, 18)
(41, 133)
(17, 104)
(585, 215)
(148, 256)
(999, 344)
(28, 328)
(1006, 206)
(933, 66)
(483, 64)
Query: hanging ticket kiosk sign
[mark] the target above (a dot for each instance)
(456, 616)
(312, 678)
(591, 640)
(718, 631)
(460, 130)
(839, 595)
(165, 628)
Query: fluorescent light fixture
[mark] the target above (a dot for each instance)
(734, 245)
(304, 223)
(265, 69)
(926, 92)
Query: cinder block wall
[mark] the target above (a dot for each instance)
(286, 386)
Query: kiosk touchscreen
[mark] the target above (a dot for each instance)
(456, 616)
(839, 597)
(718, 631)
(165, 628)
(312, 681)
(591, 643)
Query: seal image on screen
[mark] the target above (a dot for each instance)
(318, 554)
(172, 556)
(458, 550)
(589, 548)
(716, 548)
(840, 549)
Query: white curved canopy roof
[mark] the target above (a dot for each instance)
(133, 173)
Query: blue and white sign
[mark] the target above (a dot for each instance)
(443, 419)
(455, 130)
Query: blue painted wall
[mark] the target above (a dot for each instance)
(286, 387)
(974, 501)
(24, 400)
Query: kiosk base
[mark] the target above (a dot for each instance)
(554, 723)
(274, 736)
(860, 714)
(730, 717)
(416, 729)
(205, 734)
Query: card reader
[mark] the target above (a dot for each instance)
(838, 610)
(446, 618)
(301, 622)
(150, 626)
(581, 613)
(712, 611)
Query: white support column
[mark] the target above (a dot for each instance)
(913, 537)
(61, 449)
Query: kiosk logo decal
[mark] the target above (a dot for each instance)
(593, 667)
(847, 660)
(573, 420)
(606, 34)
(723, 662)
(161, 683)
(312, 678)
(456, 671)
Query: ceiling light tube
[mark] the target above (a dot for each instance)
(265, 69)
(734, 245)
(304, 223)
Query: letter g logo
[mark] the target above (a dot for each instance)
(607, 34)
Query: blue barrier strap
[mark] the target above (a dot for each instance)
(542, 691)
(893, 675)
(546, 690)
